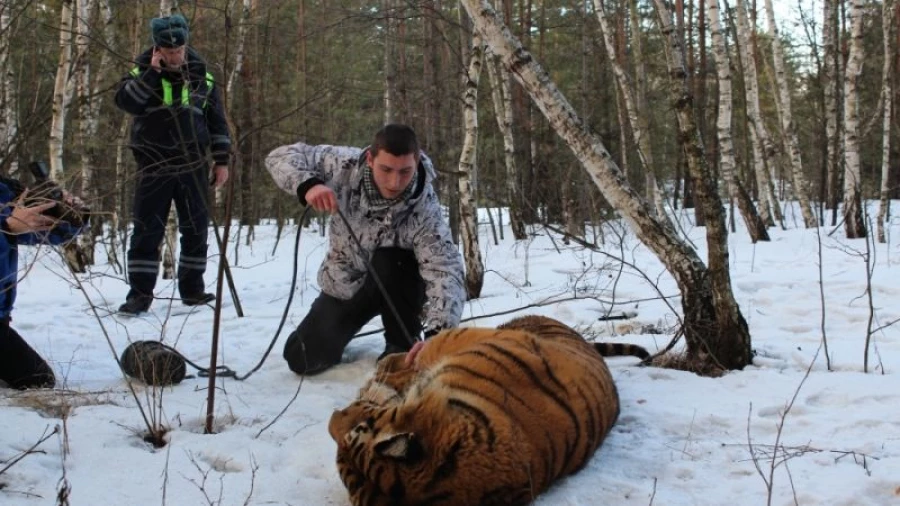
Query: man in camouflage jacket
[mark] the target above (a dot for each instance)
(385, 193)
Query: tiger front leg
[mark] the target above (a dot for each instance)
(362, 492)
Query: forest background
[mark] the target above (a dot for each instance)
(333, 71)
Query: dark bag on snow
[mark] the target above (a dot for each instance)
(153, 363)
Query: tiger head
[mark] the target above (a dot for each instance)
(381, 463)
(361, 426)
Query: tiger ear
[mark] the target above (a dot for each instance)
(404, 447)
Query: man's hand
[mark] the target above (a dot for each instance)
(322, 198)
(220, 175)
(411, 355)
(24, 219)
(157, 61)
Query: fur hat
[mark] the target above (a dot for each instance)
(170, 31)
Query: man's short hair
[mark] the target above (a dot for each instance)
(397, 140)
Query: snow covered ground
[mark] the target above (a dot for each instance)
(681, 439)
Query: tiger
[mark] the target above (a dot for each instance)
(483, 417)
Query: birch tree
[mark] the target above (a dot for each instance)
(9, 103)
(756, 227)
(887, 94)
(854, 223)
(87, 125)
(243, 25)
(801, 188)
(640, 128)
(167, 8)
(89, 82)
(501, 95)
(390, 78)
(62, 90)
(715, 331)
(468, 210)
(763, 148)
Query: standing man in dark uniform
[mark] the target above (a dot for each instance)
(178, 117)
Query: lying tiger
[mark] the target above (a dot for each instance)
(484, 417)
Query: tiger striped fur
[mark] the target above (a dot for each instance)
(485, 417)
(546, 327)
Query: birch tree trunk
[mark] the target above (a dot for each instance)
(801, 188)
(166, 8)
(764, 149)
(468, 210)
(9, 103)
(62, 91)
(756, 227)
(390, 83)
(725, 308)
(832, 74)
(887, 94)
(715, 331)
(501, 96)
(640, 128)
(651, 187)
(854, 222)
(243, 25)
(88, 108)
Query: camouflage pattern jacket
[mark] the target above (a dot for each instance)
(414, 224)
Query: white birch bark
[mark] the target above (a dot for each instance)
(62, 90)
(640, 127)
(854, 223)
(801, 188)
(755, 226)
(718, 329)
(501, 95)
(390, 81)
(654, 193)
(468, 211)
(246, 8)
(709, 204)
(88, 103)
(764, 149)
(9, 103)
(887, 94)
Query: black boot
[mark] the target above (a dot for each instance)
(198, 299)
(136, 305)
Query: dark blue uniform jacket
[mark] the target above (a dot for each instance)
(9, 255)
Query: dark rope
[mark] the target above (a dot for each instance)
(371, 269)
(227, 372)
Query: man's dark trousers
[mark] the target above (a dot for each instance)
(331, 323)
(21, 366)
(156, 188)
